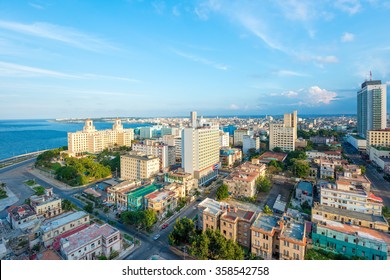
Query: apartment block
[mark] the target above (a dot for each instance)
(117, 194)
(239, 134)
(136, 198)
(180, 177)
(138, 166)
(223, 139)
(343, 195)
(284, 135)
(47, 205)
(20, 216)
(380, 138)
(351, 241)
(230, 156)
(91, 242)
(250, 142)
(165, 153)
(90, 140)
(51, 228)
(161, 202)
(326, 154)
(210, 212)
(323, 212)
(278, 238)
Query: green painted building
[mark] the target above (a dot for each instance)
(351, 241)
(135, 199)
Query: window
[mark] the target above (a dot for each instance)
(286, 243)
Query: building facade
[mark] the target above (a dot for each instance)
(284, 135)
(90, 140)
(138, 166)
(47, 205)
(250, 142)
(371, 107)
(165, 153)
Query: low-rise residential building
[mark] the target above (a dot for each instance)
(210, 212)
(267, 157)
(117, 194)
(278, 238)
(136, 198)
(229, 156)
(242, 181)
(328, 167)
(380, 155)
(47, 205)
(91, 242)
(19, 216)
(235, 225)
(304, 192)
(321, 139)
(323, 212)
(343, 195)
(351, 240)
(239, 134)
(138, 166)
(183, 178)
(61, 224)
(326, 154)
(161, 202)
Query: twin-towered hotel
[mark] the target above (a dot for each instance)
(90, 140)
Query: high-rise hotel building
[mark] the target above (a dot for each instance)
(90, 140)
(284, 135)
(200, 150)
(371, 107)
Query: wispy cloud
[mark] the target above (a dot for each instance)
(289, 73)
(66, 35)
(201, 60)
(347, 37)
(17, 71)
(349, 6)
(234, 107)
(36, 6)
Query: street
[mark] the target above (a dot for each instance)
(380, 186)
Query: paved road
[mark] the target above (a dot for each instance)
(380, 186)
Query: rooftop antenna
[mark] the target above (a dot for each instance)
(370, 75)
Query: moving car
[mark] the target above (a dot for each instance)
(165, 226)
(157, 236)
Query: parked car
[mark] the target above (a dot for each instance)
(157, 236)
(165, 225)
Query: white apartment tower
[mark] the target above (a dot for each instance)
(371, 107)
(284, 135)
(90, 140)
(200, 151)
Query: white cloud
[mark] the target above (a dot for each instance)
(349, 6)
(66, 35)
(296, 9)
(289, 73)
(201, 60)
(316, 95)
(326, 59)
(347, 37)
(36, 6)
(234, 107)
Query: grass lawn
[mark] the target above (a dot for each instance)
(39, 190)
(30, 182)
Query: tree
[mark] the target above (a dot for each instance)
(149, 217)
(267, 210)
(293, 155)
(277, 150)
(67, 205)
(363, 169)
(263, 184)
(301, 168)
(182, 232)
(131, 217)
(88, 208)
(222, 249)
(222, 192)
(200, 246)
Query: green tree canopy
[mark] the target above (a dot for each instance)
(183, 232)
(300, 168)
(222, 192)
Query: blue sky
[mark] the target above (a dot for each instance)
(166, 58)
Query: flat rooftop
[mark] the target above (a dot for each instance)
(268, 156)
(294, 230)
(212, 206)
(84, 236)
(266, 222)
(159, 195)
(143, 191)
(362, 232)
(62, 219)
(239, 213)
(352, 214)
(306, 186)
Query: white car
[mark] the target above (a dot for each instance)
(157, 236)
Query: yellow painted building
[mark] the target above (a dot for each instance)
(138, 166)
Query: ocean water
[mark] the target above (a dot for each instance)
(25, 136)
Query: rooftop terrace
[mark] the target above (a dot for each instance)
(266, 222)
(294, 230)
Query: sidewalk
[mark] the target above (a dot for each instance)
(11, 199)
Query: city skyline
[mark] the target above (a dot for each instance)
(148, 59)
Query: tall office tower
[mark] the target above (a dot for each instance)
(193, 119)
(284, 135)
(200, 151)
(371, 107)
